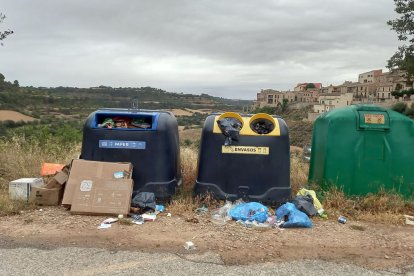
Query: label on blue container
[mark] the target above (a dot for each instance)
(118, 144)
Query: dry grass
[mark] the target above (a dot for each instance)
(385, 207)
(20, 158)
(125, 221)
(298, 173)
(12, 207)
(189, 159)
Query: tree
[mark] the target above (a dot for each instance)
(285, 104)
(310, 86)
(404, 58)
(400, 107)
(6, 33)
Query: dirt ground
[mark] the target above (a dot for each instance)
(8, 115)
(375, 246)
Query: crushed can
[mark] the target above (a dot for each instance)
(342, 219)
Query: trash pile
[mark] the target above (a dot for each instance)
(296, 213)
(89, 188)
(126, 122)
(105, 188)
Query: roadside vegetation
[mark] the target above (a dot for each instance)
(22, 157)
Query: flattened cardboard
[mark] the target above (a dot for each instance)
(46, 197)
(84, 170)
(103, 197)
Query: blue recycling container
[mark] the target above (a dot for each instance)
(147, 139)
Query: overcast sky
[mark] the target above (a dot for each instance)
(229, 48)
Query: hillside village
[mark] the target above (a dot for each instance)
(378, 87)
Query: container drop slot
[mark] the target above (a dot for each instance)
(262, 123)
(115, 121)
(230, 127)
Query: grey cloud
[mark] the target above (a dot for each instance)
(229, 48)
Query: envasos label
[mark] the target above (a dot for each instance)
(245, 150)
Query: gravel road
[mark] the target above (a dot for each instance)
(92, 261)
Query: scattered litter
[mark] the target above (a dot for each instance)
(136, 219)
(249, 211)
(305, 204)
(409, 220)
(316, 202)
(169, 215)
(135, 216)
(149, 217)
(247, 223)
(159, 208)
(40, 210)
(109, 221)
(221, 216)
(144, 200)
(202, 210)
(295, 218)
(254, 224)
(342, 219)
(120, 216)
(104, 226)
(272, 220)
(189, 245)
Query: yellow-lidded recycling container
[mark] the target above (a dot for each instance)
(255, 166)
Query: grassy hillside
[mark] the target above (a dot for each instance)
(64, 109)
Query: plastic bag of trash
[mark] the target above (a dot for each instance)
(305, 204)
(262, 126)
(230, 127)
(249, 211)
(221, 215)
(295, 218)
(144, 200)
(316, 202)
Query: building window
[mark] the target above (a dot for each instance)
(270, 101)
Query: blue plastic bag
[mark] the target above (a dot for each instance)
(249, 211)
(296, 218)
(159, 208)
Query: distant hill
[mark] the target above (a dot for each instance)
(38, 101)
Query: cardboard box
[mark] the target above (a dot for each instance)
(83, 170)
(58, 180)
(20, 189)
(46, 197)
(103, 197)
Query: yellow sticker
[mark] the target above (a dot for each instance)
(374, 119)
(245, 150)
